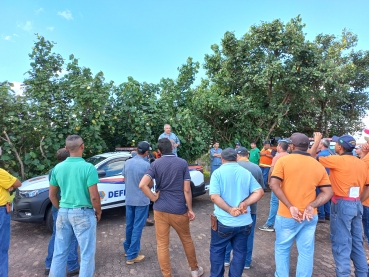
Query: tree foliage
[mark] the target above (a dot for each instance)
(270, 82)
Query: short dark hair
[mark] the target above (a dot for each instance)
(345, 149)
(62, 154)
(301, 148)
(73, 142)
(283, 145)
(165, 146)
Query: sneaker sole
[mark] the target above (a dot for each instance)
(266, 230)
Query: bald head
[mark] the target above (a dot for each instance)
(73, 143)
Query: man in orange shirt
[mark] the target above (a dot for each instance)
(265, 162)
(349, 176)
(294, 180)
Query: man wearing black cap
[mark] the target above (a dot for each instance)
(137, 203)
(349, 177)
(294, 180)
(265, 162)
(232, 189)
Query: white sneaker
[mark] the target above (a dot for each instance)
(198, 272)
(227, 263)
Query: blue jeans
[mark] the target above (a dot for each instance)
(287, 230)
(274, 204)
(238, 237)
(73, 251)
(365, 221)
(265, 171)
(82, 223)
(323, 210)
(214, 167)
(135, 222)
(250, 245)
(347, 238)
(5, 241)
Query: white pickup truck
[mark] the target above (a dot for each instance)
(32, 203)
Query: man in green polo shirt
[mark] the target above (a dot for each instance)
(77, 181)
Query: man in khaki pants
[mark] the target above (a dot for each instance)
(173, 193)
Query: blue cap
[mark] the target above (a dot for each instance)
(346, 141)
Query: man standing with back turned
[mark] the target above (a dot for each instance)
(137, 204)
(294, 181)
(170, 210)
(231, 207)
(77, 181)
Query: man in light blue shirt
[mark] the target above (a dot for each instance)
(232, 189)
(172, 137)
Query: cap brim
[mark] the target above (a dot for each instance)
(335, 138)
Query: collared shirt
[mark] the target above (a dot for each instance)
(215, 160)
(6, 181)
(173, 137)
(169, 173)
(300, 175)
(133, 171)
(346, 171)
(258, 175)
(234, 184)
(74, 176)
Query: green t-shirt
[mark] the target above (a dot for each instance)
(254, 155)
(74, 176)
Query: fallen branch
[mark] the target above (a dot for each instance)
(42, 152)
(16, 153)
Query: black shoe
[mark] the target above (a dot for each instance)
(73, 273)
(327, 218)
(149, 222)
(47, 271)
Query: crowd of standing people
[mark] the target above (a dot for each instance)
(308, 185)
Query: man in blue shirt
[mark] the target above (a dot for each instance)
(324, 211)
(232, 189)
(172, 137)
(215, 157)
(172, 205)
(137, 204)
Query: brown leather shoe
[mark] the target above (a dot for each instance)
(150, 222)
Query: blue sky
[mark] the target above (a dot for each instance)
(149, 40)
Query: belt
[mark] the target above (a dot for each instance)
(336, 197)
(2, 205)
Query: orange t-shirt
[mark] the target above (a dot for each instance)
(264, 160)
(300, 175)
(366, 160)
(346, 171)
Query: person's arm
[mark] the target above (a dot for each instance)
(146, 189)
(317, 139)
(217, 200)
(95, 200)
(254, 197)
(188, 197)
(323, 197)
(15, 185)
(53, 195)
(270, 173)
(275, 185)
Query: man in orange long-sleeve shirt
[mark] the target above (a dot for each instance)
(265, 162)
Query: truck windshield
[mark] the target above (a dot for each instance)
(95, 160)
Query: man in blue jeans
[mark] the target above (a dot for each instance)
(8, 183)
(73, 265)
(242, 160)
(79, 209)
(137, 203)
(231, 207)
(293, 181)
(215, 158)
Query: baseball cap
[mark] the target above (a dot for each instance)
(237, 143)
(299, 140)
(266, 142)
(346, 141)
(284, 140)
(143, 146)
(229, 154)
(242, 151)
